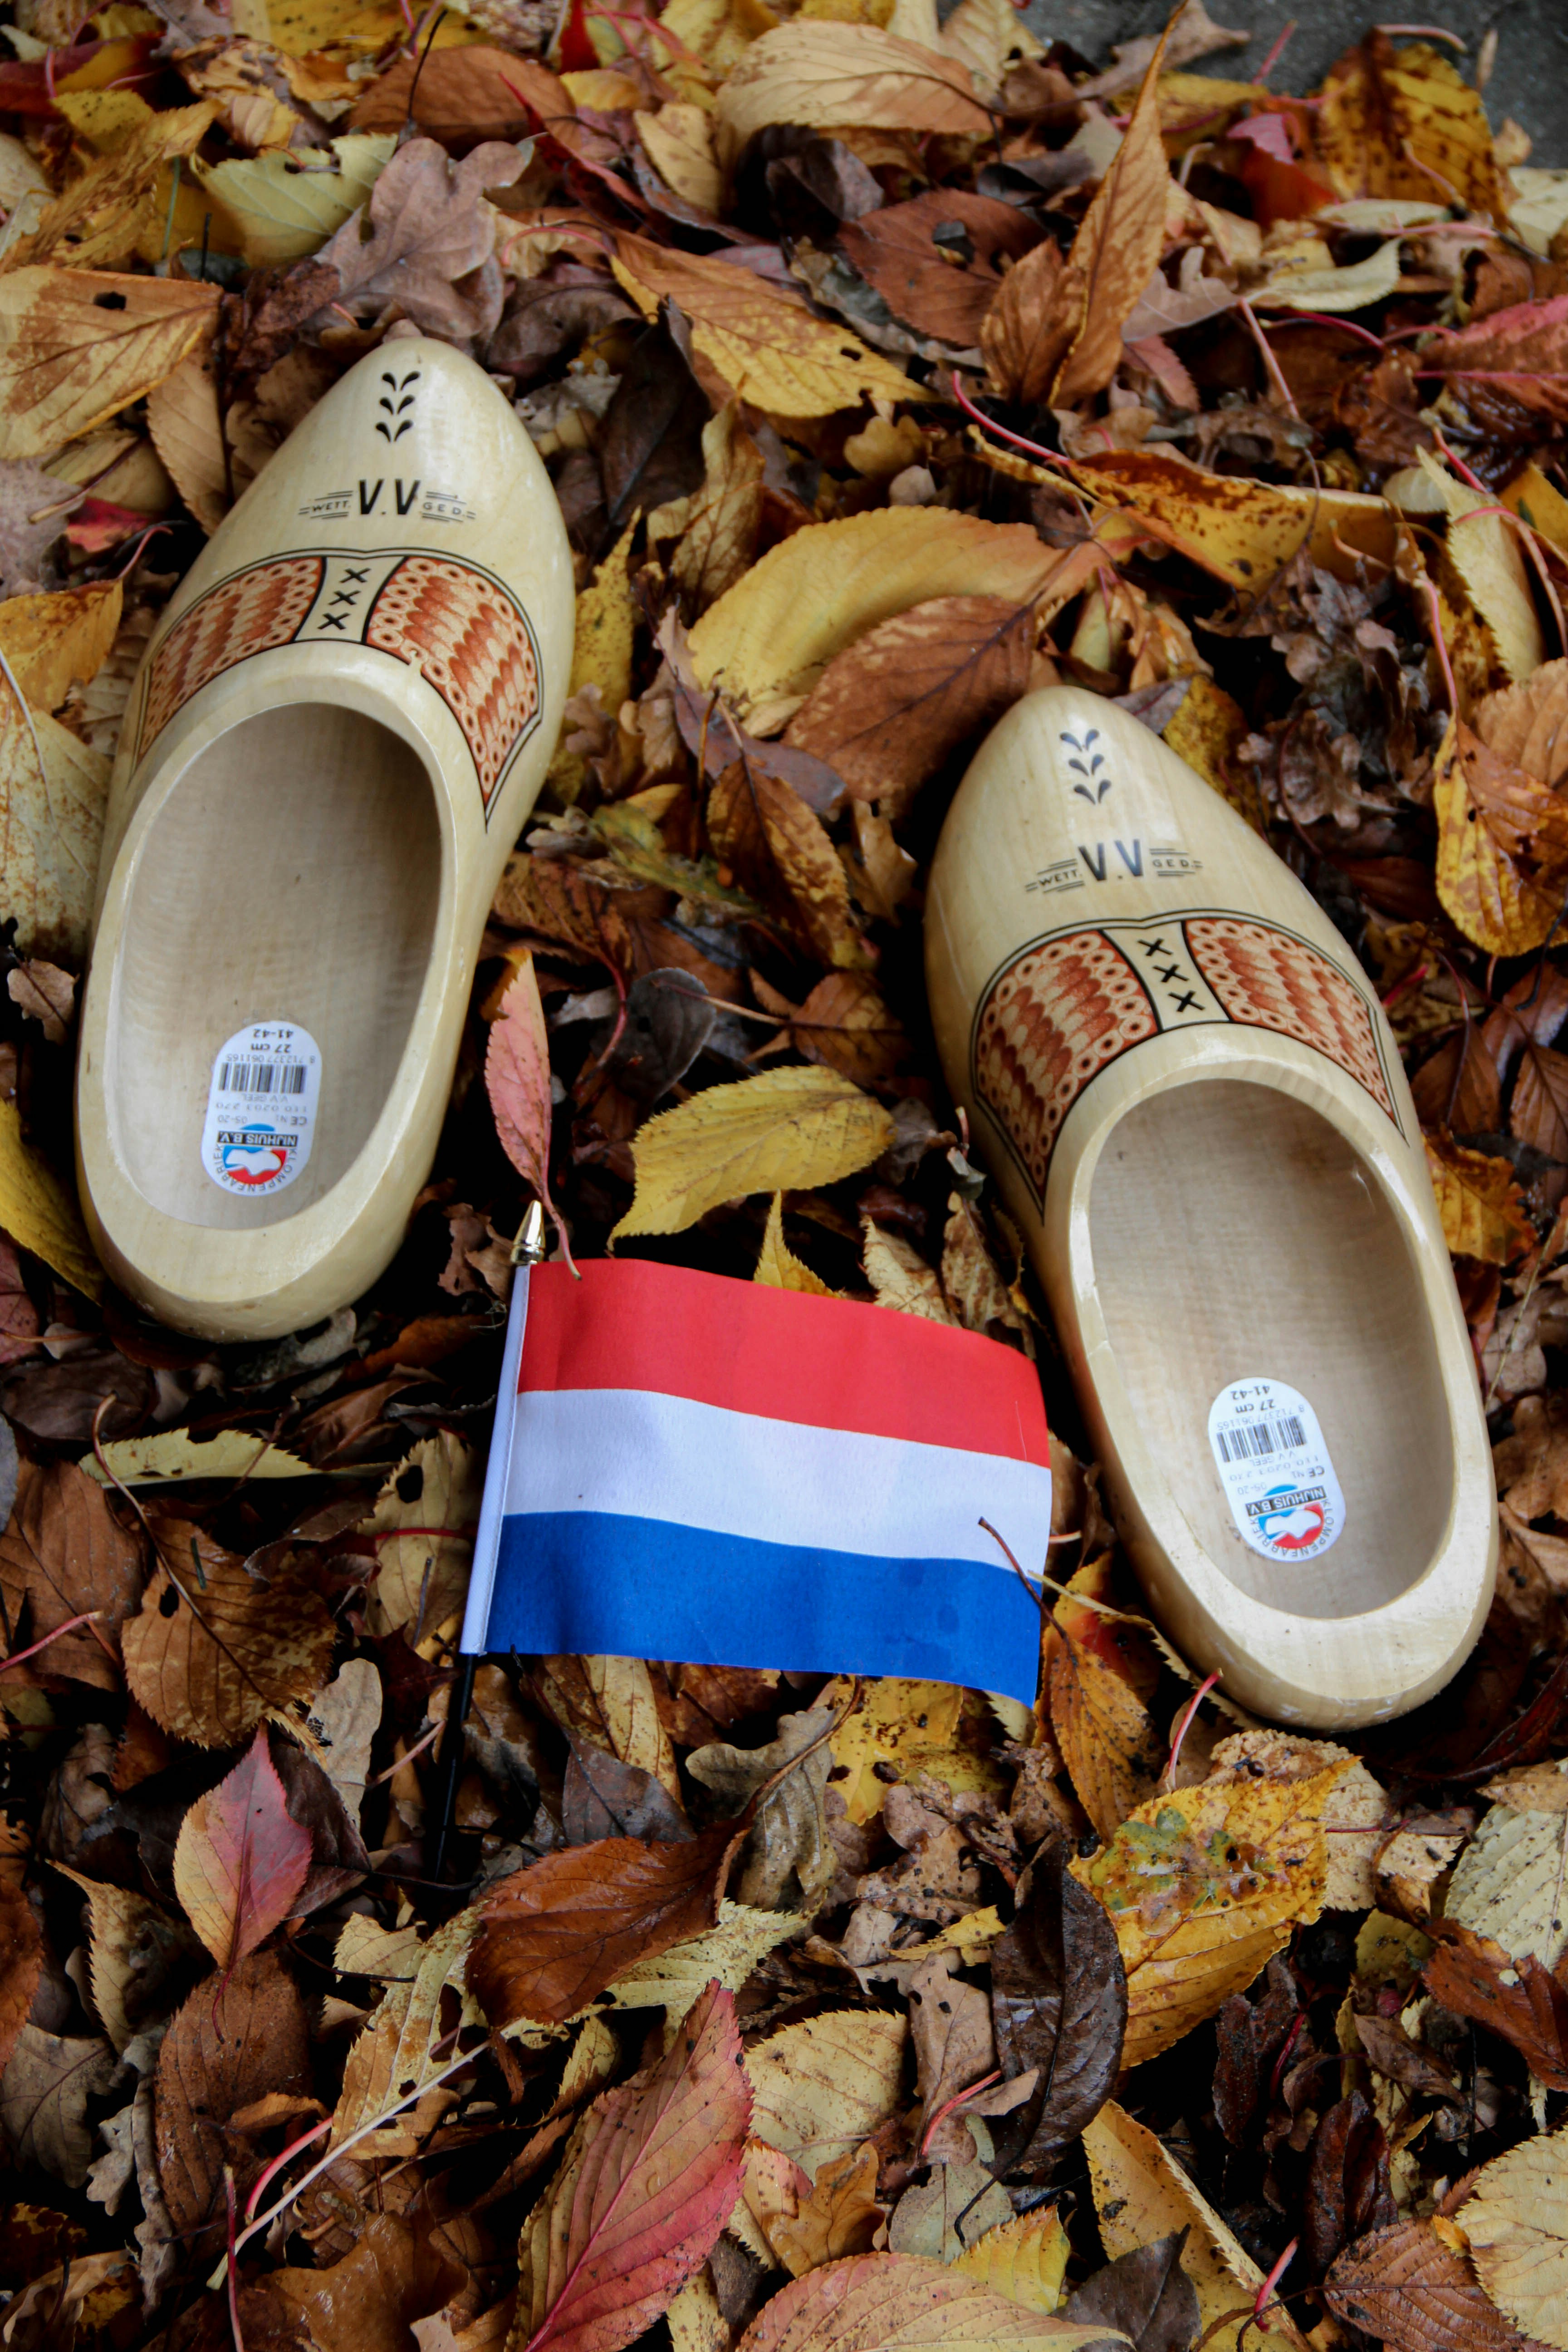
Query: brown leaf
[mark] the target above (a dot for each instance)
(430, 249)
(50, 2082)
(63, 1553)
(1538, 1114)
(840, 2216)
(554, 1935)
(845, 1024)
(780, 850)
(46, 994)
(23, 1957)
(1408, 2286)
(461, 96)
(1406, 124)
(890, 709)
(211, 1653)
(397, 2275)
(1114, 255)
(893, 2301)
(78, 345)
(234, 2041)
(1059, 2000)
(1519, 1999)
(1029, 327)
(1528, 724)
(893, 250)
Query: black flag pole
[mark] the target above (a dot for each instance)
(526, 1252)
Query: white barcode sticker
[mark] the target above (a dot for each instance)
(261, 1108)
(1274, 1469)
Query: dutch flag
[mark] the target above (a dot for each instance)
(689, 1466)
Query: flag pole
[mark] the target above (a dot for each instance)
(526, 1252)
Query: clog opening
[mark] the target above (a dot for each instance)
(291, 879)
(1237, 1236)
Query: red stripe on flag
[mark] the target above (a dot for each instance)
(826, 1364)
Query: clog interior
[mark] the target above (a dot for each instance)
(292, 875)
(1237, 1235)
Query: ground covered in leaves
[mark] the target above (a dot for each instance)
(883, 371)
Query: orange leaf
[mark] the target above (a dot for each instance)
(517, 1079)
(1480, 1203)
(1117, 249)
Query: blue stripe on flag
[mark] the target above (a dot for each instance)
(598, 1583)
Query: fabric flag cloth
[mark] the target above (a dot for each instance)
(689, 1466)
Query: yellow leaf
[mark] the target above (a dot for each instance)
(422, 1579)
(777, 1264)
(1202, 1885)
(1241, 532)
(38, 1213)
(66, 365)
(768, 641)
(820, 2088)
(729, 1950)
(717, 32)
(1486, 554)
(53, 794)
(600, 656)
(282, 212)
(123, 207)
(1540, 207)
(1480, 1203)
(1406, 123)
(1115, 253)
(55, 642)
(1535, 502)
(679, 143)
(1207, 733)
(1351, 288)
(1502, 846)
(1516, 2218)
(1141, 2194)
(768, 348)
(1024, 2259)
(914, 1726)
(786, 1131)
(988, 37)
(173, 1453)
(831, 77)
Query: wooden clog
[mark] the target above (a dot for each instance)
(340, 725)
(1193, 1106)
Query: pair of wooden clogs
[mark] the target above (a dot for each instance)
(1192, 1103)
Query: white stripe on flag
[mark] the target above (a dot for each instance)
(636, 1453)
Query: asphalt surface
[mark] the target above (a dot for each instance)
(1529, 80)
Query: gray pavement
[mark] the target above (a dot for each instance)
(1530, 79)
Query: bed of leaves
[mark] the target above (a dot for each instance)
(883, 371)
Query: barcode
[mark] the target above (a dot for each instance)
(261, 1078)
(1255, 1439)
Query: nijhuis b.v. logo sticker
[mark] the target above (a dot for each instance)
(261, 1108)
(1274, 1465)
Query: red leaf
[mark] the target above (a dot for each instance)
(1523, 351)
(517, 1079)
(240, 1860)
(650, 2179)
